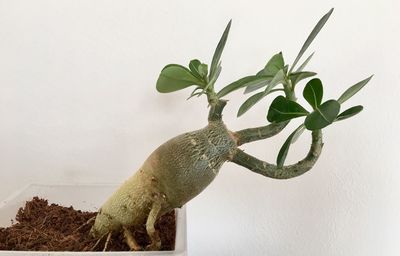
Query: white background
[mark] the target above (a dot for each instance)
(78, 104)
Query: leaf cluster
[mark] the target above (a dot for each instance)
(276, 73)
(275, 76)
(174, 77)
(322, 115)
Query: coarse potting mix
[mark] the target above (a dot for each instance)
(40, 226)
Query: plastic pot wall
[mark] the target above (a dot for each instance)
(83, 197)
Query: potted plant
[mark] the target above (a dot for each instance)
(185, 165)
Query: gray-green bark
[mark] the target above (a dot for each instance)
(259, 133)
(173, 174)
(216, 108)
(286, 172)
(183, 167)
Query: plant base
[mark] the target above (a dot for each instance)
(44, 227)
(49, 229)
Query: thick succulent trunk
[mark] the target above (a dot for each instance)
(173, 174)
(184, 166)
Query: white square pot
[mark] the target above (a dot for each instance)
(86, 198)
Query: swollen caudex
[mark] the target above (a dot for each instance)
(182, 167)
(173, 174)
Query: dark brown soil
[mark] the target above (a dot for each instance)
(44, 227)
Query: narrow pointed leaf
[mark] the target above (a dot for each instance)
(280, 160)
(323, 116)
(298, 133)
(353, 90)
(311, 37)
(250, 102)
(214, 77)
(349, 113)
(256, 86)
(275, 64)
(313, 92)
(302, 66)
(285, 69)
(218, 51)
(243, 82)
(278, 78)
(298, 76)
(175, 77)
(270, 83)
(282, 109)
(260, 73)
(194, 93)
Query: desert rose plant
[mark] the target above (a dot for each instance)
(182, 167)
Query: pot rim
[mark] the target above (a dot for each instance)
(51, 192)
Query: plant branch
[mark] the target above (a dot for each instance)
(267, 131)
(286, 172)
(215, 113)
(259, 133)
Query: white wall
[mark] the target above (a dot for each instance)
(78, 104)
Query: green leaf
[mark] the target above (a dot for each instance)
(285, 69)
(313, 92)
(282, 109)
(214, 77)
(243, 82)
(194, 93)
(198, 69)
(255, 87)
(296, 77)
(218, 51)
(299, 132)
(311, 37)
(280, 160)
(302, 66)
(275, 64)
(250, 102)
(323, 116)
(175, 77)
(277, 79)
(194, 66)
(353, 90)
(203, 70)
(260, 73)
(349, 113)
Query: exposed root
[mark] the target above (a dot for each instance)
(154, 246)
(86, 223)
(131, 241)
(155, 241)
(44, 230)
(97, 243)
(107, 241)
